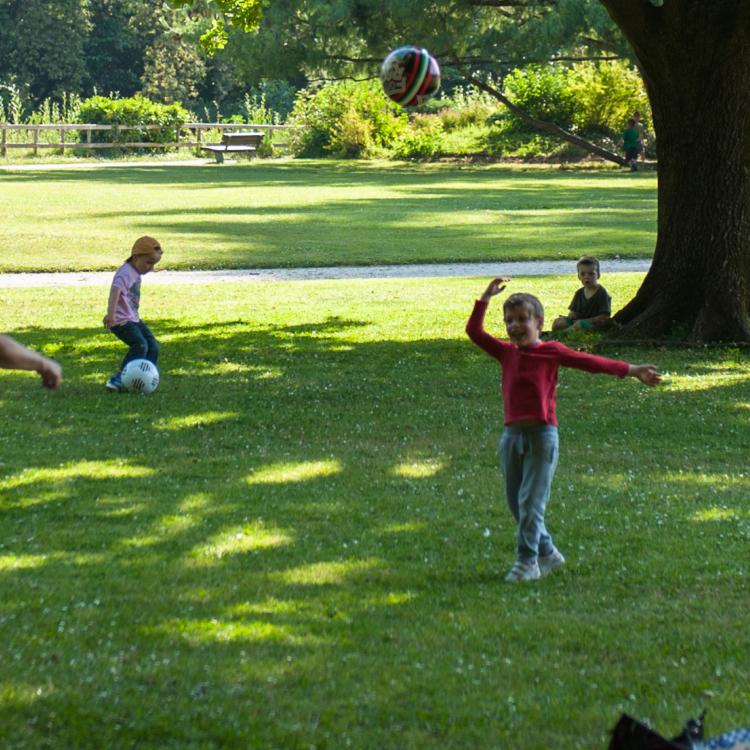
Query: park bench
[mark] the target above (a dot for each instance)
(243, 143)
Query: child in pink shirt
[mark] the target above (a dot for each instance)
(529, 445)
(122, 316)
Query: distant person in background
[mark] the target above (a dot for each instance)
(631, 144)
(641, 134)
(14, 356)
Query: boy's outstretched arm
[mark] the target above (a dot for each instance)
(15, 356)
(647, 374)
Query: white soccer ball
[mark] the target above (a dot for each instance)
(140, 376)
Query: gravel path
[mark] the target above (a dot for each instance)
(428, 270)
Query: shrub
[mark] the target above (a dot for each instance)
(506, 138)
(591, 99)
(543, 92)
(12, 104)
(606, 94)
(134, 111)
(345, 118)
(423, 139)
(57, 111)
(469, 105)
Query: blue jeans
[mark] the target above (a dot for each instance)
(140, 340)
(528, 457)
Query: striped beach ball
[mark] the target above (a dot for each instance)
(410, 76)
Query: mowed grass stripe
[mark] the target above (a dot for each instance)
(318, 213)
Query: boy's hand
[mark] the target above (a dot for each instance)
(647, 374)
(50, 372)
(495, 287)
(109, 320)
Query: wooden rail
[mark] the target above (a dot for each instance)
(186, 135)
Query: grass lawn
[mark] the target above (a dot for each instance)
(299, 540)
(313, 213)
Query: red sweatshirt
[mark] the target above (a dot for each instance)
(529, 373)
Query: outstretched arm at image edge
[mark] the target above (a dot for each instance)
(14, 356)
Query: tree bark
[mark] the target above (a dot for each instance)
(695, 58)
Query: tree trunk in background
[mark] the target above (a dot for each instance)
(695, 57)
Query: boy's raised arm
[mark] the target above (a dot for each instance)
(475, 326)
(495, 287)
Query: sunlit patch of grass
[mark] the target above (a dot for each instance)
(195, 503)
(21, 562)
(392, 599)
(28, 499)
(227, 631)
(404, 528)
(19, 694)
(199, 419)
(239, 540)
(418, 469)
(297, 471)
(709, 479)
(327, 573)
(218, 369)
(719, 514)
(9, 562)
(105, 470)
(269, 606)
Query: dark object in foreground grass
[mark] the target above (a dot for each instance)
(631, 734)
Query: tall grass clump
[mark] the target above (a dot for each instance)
(11, 104)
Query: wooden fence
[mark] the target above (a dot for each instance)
(186, 135)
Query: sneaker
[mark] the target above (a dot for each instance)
(547, 563)
(114, 384)
(522, 571)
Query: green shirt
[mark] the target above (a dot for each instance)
(600, 303)
(631, 138)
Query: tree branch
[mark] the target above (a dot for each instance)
(546, 127)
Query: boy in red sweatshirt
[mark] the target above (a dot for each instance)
(529, 445)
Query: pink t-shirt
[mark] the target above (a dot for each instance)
(128, 281)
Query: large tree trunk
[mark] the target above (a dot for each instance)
(695, 57)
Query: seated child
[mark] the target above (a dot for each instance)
(122, 316)
(591, 306)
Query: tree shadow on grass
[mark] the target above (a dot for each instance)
(286, 545)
